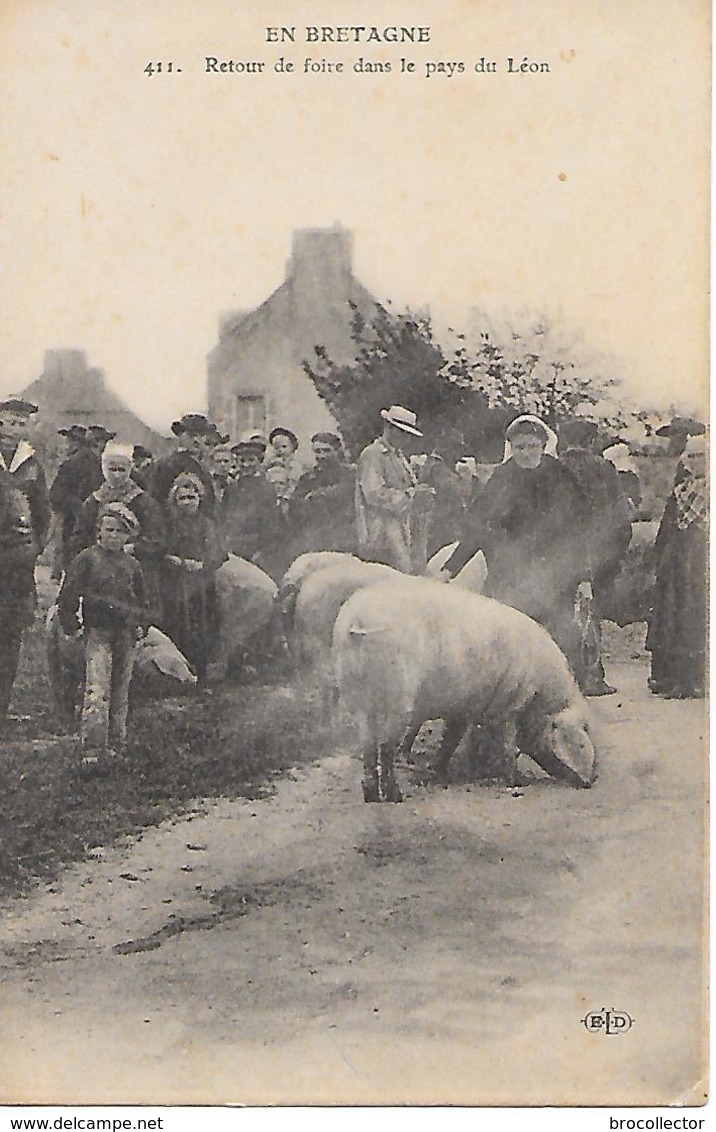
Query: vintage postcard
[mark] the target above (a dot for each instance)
(353, 431)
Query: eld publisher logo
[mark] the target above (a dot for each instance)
(607, 1021)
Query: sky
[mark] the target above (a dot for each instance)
(134, 209)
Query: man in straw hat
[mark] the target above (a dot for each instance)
(385, 488)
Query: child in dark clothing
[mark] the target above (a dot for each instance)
(194, 553)
(109, 584)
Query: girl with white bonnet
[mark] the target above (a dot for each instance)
(677, 622)
(118, 487)
(530, 522)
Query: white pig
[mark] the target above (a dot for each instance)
(245, 597)
(158, 664)
(307, 564)
(320, 598)
(404, 653)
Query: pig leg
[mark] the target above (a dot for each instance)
(388, 781)
(408, 739)
(369, 754)
(510, 749)
(455, 727)
(494, 751)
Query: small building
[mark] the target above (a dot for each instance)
(70, 392)
(255, 372)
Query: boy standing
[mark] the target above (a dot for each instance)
(110, 584)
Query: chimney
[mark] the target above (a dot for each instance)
(64, 365)
(321, 253)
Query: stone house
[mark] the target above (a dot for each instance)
(255, 375)
(70, 392)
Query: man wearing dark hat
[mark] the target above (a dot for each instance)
(98, 436)
(18, 458)
(678, 432)
(385, 487)
(222, 467)
(142, 460)
(321, 510)
(193, 432)
(77, 477)
(75, 439)
(247, 512)
(283, 449)
(608, 528)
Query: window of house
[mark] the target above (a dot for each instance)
(250, 413)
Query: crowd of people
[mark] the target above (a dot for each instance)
(138, 538)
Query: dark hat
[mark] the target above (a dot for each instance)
(682, 426)
(100, 434)
(216, 437)
(74, 432)
(578, 432)
(327, 438)
(257, 447)
(192, 424)
(284, 432)
(17, 404)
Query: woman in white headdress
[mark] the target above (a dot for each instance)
(677, 621)
(620, 456)
(530, 522)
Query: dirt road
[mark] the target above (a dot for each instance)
(311, 948)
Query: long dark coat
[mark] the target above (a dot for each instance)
(28, 476)
(18, 550)
(609, 511)
(248, 517)
(189, 599)
(322, 509)
(531, 524)
(77, 477)
(678, 617)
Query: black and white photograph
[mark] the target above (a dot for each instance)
(354, 435)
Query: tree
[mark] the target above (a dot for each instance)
(464, 390)
(397, 362)
(533, 370)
